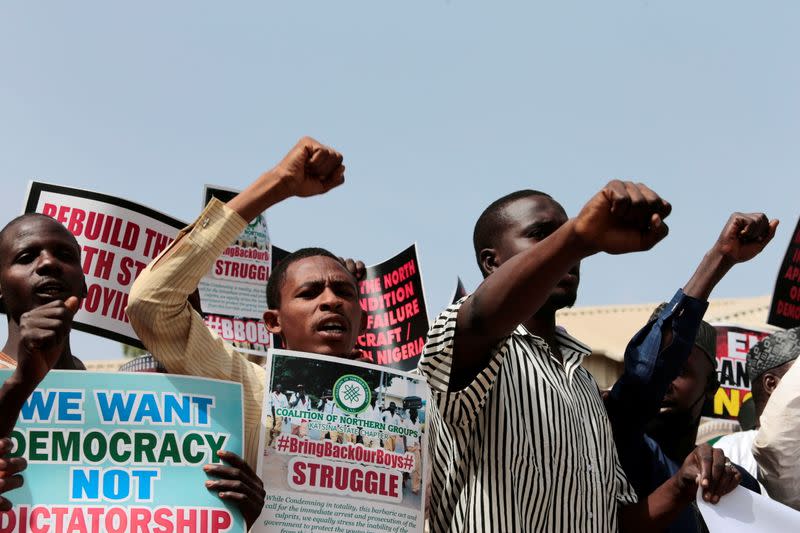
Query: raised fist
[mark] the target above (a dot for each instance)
(744, 236)
(310, 168)
(43, 333)
(623, 217)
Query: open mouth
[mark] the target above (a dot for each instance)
(51, 289)
(334, 326)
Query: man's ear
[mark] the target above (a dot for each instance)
(770, 382)
(272, 321)
(488, 261)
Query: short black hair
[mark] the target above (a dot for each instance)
(16, 220)
(489, 224)
(21, 218)
(278, 274)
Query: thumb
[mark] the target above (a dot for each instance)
(72, 304)
(655, 233)
(773, 227)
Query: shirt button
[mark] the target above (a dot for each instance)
(590, 515)
(589, 468)
(205, 222)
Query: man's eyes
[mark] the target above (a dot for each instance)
(24, 257)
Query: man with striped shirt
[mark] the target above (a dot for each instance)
(520, 440)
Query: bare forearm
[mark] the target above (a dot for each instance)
(710, 271)
(520, 286)
(263, 193)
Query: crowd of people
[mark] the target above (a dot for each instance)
(520, 436)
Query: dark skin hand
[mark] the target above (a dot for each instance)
(10, 468)
(43, 333)
(706, 466)
(359, 271)
(237, 483)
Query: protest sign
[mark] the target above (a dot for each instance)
(785, 309)
(118, 239)
(233, 294)
(340, 439)
(123, 453)
(397, 320)
(733, 343)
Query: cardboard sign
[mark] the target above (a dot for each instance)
(119, 452)
(118, 239)
(397, 320)
(733, 343)
(785, 309)
(336, 451)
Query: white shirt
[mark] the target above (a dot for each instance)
(738, 447)
(390, 419)
(777, 444)
(277, 401)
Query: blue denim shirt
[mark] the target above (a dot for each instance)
(636, 398)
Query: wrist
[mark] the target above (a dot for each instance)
(17, 388)
(713, 267)
(679, 489)
(275, 186)
(577, 240)
(718, 259)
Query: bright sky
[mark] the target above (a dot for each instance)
(438, 107)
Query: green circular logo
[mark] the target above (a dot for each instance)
(351, 393)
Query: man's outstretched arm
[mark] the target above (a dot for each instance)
(655, 355)
(623, 217)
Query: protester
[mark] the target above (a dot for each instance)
(312, 297)
(765, 369)
(520, 440)
(776, 447)
(41, 284)
(670, 372)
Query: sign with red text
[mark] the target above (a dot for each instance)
(233, 295)
(343, 450)
(118, 238)
(785, 309)
(397, 321)
(733, 343)
(123, 452)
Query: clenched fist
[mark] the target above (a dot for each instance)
(43, 333)
(744, 236)
(623, 217)
(310, 168)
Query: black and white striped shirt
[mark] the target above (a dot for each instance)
(526, 447)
